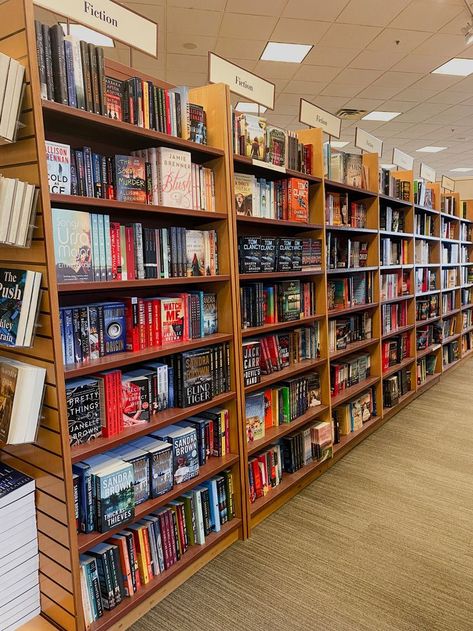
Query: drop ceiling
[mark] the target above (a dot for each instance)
(367, 54)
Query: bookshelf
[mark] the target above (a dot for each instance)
(49, 459)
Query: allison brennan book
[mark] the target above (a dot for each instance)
(59, 167)
(130, 173)
(19, 297)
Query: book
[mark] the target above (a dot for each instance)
(72, 245)
(185, 454)
(174, 178)
(114, 482)
(114, 98)
(58, 158)
(130, 176)
(19, 300)
(210, 314)
(244, 194)
(255, 415)
(83, 410)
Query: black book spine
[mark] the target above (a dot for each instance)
(178, 114)
(89, 99)
(71, 86)
(101, 80)
(48, 62)
(94, 76)
(103, 176)
(80, 172)
(151, 105)
(58, 64)
(84, 333)
(155, 93)
(95, 587)
(162, 111)
(43, 79)
(77, 336)
(74, 181)
(114, 571)
(149, 183)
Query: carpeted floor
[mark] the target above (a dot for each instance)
(383, 541)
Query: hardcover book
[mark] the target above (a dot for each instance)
(72, 246)
(267, 253)
(276, 145)
(19, 296)
(172, 320)
(249, 255)
(244, 194)
(58, 157)
(130, 174)
(113, 98)
(209, 314)
(251, 362)
(195, 253)
(115, 495)
(196, 385)
(254, 413)
(185, 451)
(174, 178)
(255, 134)
(83, 410)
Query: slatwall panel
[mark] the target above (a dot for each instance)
(45, 459)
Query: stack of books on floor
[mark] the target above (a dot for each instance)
(12, 74)
(19, 597)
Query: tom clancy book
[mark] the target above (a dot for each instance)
(244, 194)
(185, 451)
(289, 256)
(113, 98)
(83, 410)
(58, 157)
(19, 298)
(268, 250)
(289, 296)
(254, 415)
(298, 202)
(130, 179)
(115, 497)
(72, 246)
(209, 314)
(251, 362)
(249, 249)
(194, 377)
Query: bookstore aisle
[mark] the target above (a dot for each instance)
(382, 541)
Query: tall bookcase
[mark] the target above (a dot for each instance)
(49, 459)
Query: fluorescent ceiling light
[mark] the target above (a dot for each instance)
(462, 169)
(380, 116)
(338, 144)
(431, 149)
(292, 53)
(87, 35)
(252, 108)
(457, 66)
(388, 166)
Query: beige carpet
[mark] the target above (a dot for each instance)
(383, 541)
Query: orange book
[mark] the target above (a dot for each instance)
(140, 552)
(298, 198)
(120, 542)
(268, 408)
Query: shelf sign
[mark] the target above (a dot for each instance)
(402, 160)
(241, 81)
(448, 184)
(426, 172)
(109, 18)
(368, 142)
(314, 116)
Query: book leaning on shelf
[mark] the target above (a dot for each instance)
(396, 386)
(349, 417)
(72, 72)
(19, 561)
(353, 290)
(17, 211)
(12, 75)
(345, 331)
(19, 304)
(286, 199)
(346, 168)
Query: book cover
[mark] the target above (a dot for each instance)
(254, 414)
(172, 320)
(114, 98)
(276, 145)
(115, 496)
(209, 314)
(255, 135)
(83, 410)
(289, 300)
(354, 169)
(251, 362)
(72, 246)
(196, 385)
(195, 253)
(8, 380)
(244, 193)
(249, 250)
(58, 157)
(174, 178)
(185, 454)
(130, 174)
(298, 193)
(267, 253)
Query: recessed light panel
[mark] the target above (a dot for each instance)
(380, 116)
(457, 66)
(339, 144)
(251, 108)
(462, 169)
(388, 166)
(290, 53)
(431, 149)
(88, 35)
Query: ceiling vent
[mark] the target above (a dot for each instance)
(349, 114)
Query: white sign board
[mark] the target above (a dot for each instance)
(368, 142)
(314, 116)
(447, 183)
(111, 19)
(402, 160)
(241, 81)
(426, 172)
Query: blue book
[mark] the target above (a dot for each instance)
(114, 327)
(68, 337)
(211, 485)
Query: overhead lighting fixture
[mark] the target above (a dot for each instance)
(430, 149)
(388, 166)
(339, 144)
(250, 108)
(462, 169)
(468, 29)
(457, 66)
(87, 35)
(380, 116)
(290, 53)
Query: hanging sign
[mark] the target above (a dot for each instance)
(402, 160)
(241, 81)
(314, 116)
(448, 184)
(368, 142)
(426, 172)
(109, 18)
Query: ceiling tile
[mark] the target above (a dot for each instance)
(307, 87)
(364, 104)
(379, 92)
(427, 131)
(412, 94)
(349, 36)
(154, 11)
(420, 63)
(242, 48)
(437, 82)
(329, 103)
(421, 112)
(308, 9)
(196, 63)
(315, 73)
(370, 60)
(280, 120)
(397, 40)
(251, 26)
(368, 12)
(247, 64)
(262, 7)
(212, 5)
(276, 69)
(358, 77)
(175, 44)
(348, 91)
(191, 21)
(185, 77)
(398, 80)
(442, 43)
(330, 56)
(299, 31)
(427, 15)
(393, 105)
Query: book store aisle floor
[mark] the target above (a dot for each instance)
(382, 541)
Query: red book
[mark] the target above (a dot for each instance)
(142, 324)
(147, 550)
(385, 356)
(119, 403)
(132, 324)
(172, 538)
(273, 352)
(116, 252)
(168, 112)
(263, 467)
(258, 482)
(268, 408)
(120, 542)
(227, 431)
(130, 253)
(164, 538)
(174, 318)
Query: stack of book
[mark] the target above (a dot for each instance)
(17, 211)
(12, 75)
(427, 335)
(451, 352)
(344, 293)
(349, 417)
(131, 558)
(286, 199)
(19, 562)
(422, 252)
(448, 301)
(448, 204)
(345, 253)
(450, 252)
(345, 331)
(424, 224)
(340, 211)
(278, 254)
(19, 304)
(349, 372)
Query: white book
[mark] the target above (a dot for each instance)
(199, 518)
(28, 581)
(16, 607)
(15, 212)
(12, 517)
(9, 113)
(7, 194)
(78, 74)
(174, 175)
(19, 556)
(26, 217)
(4, 67)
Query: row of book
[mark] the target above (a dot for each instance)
(12, 75)
(427, 336)
(424, 224)
(422, 252)
(345, 331)
(346, 168)
(450, 253)
(394, 186)
(344, 293)
(466, 343)
(349, 417)
(286, 199)
(349, 372)
(280, 404)
(466, 275)
(427, 308)
(395, 284)
(341, 211)
(448, 229)
(158, 175)
(396, 386)
(425, 368)
(394, 251)
(466, 232)
(450, 278)
(451, 352)
(90, 247)
(393, 316)
(266, 471)
(255, 138)
(448, 301)
(17, 211)
(424, 194)
(278, 254)
(448, 327)
(425, 279)
(268, 303)
(465, 254)
(467, 319)
(448, 204)
(345, 253)
(391, 219)
(273, 353)
(124, 564)
(72, 72)
(395, 350)
(134, 324)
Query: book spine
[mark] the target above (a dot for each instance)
(108, 247)
(48, 62)
(69, 62)
(58, 64)
(41, 61)
(94, 79)
(102, 90)
(89, 100)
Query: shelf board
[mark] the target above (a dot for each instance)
(209, 469)
(360, 192)
(394, 233)
(423, 294)
(451, 338)
(424, 237)
(425, 209)
(277, 275)
(398, 299)
(353, 391)
(447, 240)
(87, 125)
(428, 321)
(451, 364)
(427, 351)
(117, 360)
(450, 264)
(392, 369)
(254, 168)
(450, 288)
(401, 402)
(398, 331)
(274, 433)
(76, 201)
(353, 270)
(395, 200)
(337, 312)
(449, 216)
(468, 305)
(113, 285)
(400, 266)
(268, 328)
(348, 438)
(350, 229)
(353, 348)
(467, 330)
(157, 421)
(426, 265)
(280, 223)
(466, 220)
(280, 375)
(425, 385)
(195, 552)
(448, 314)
